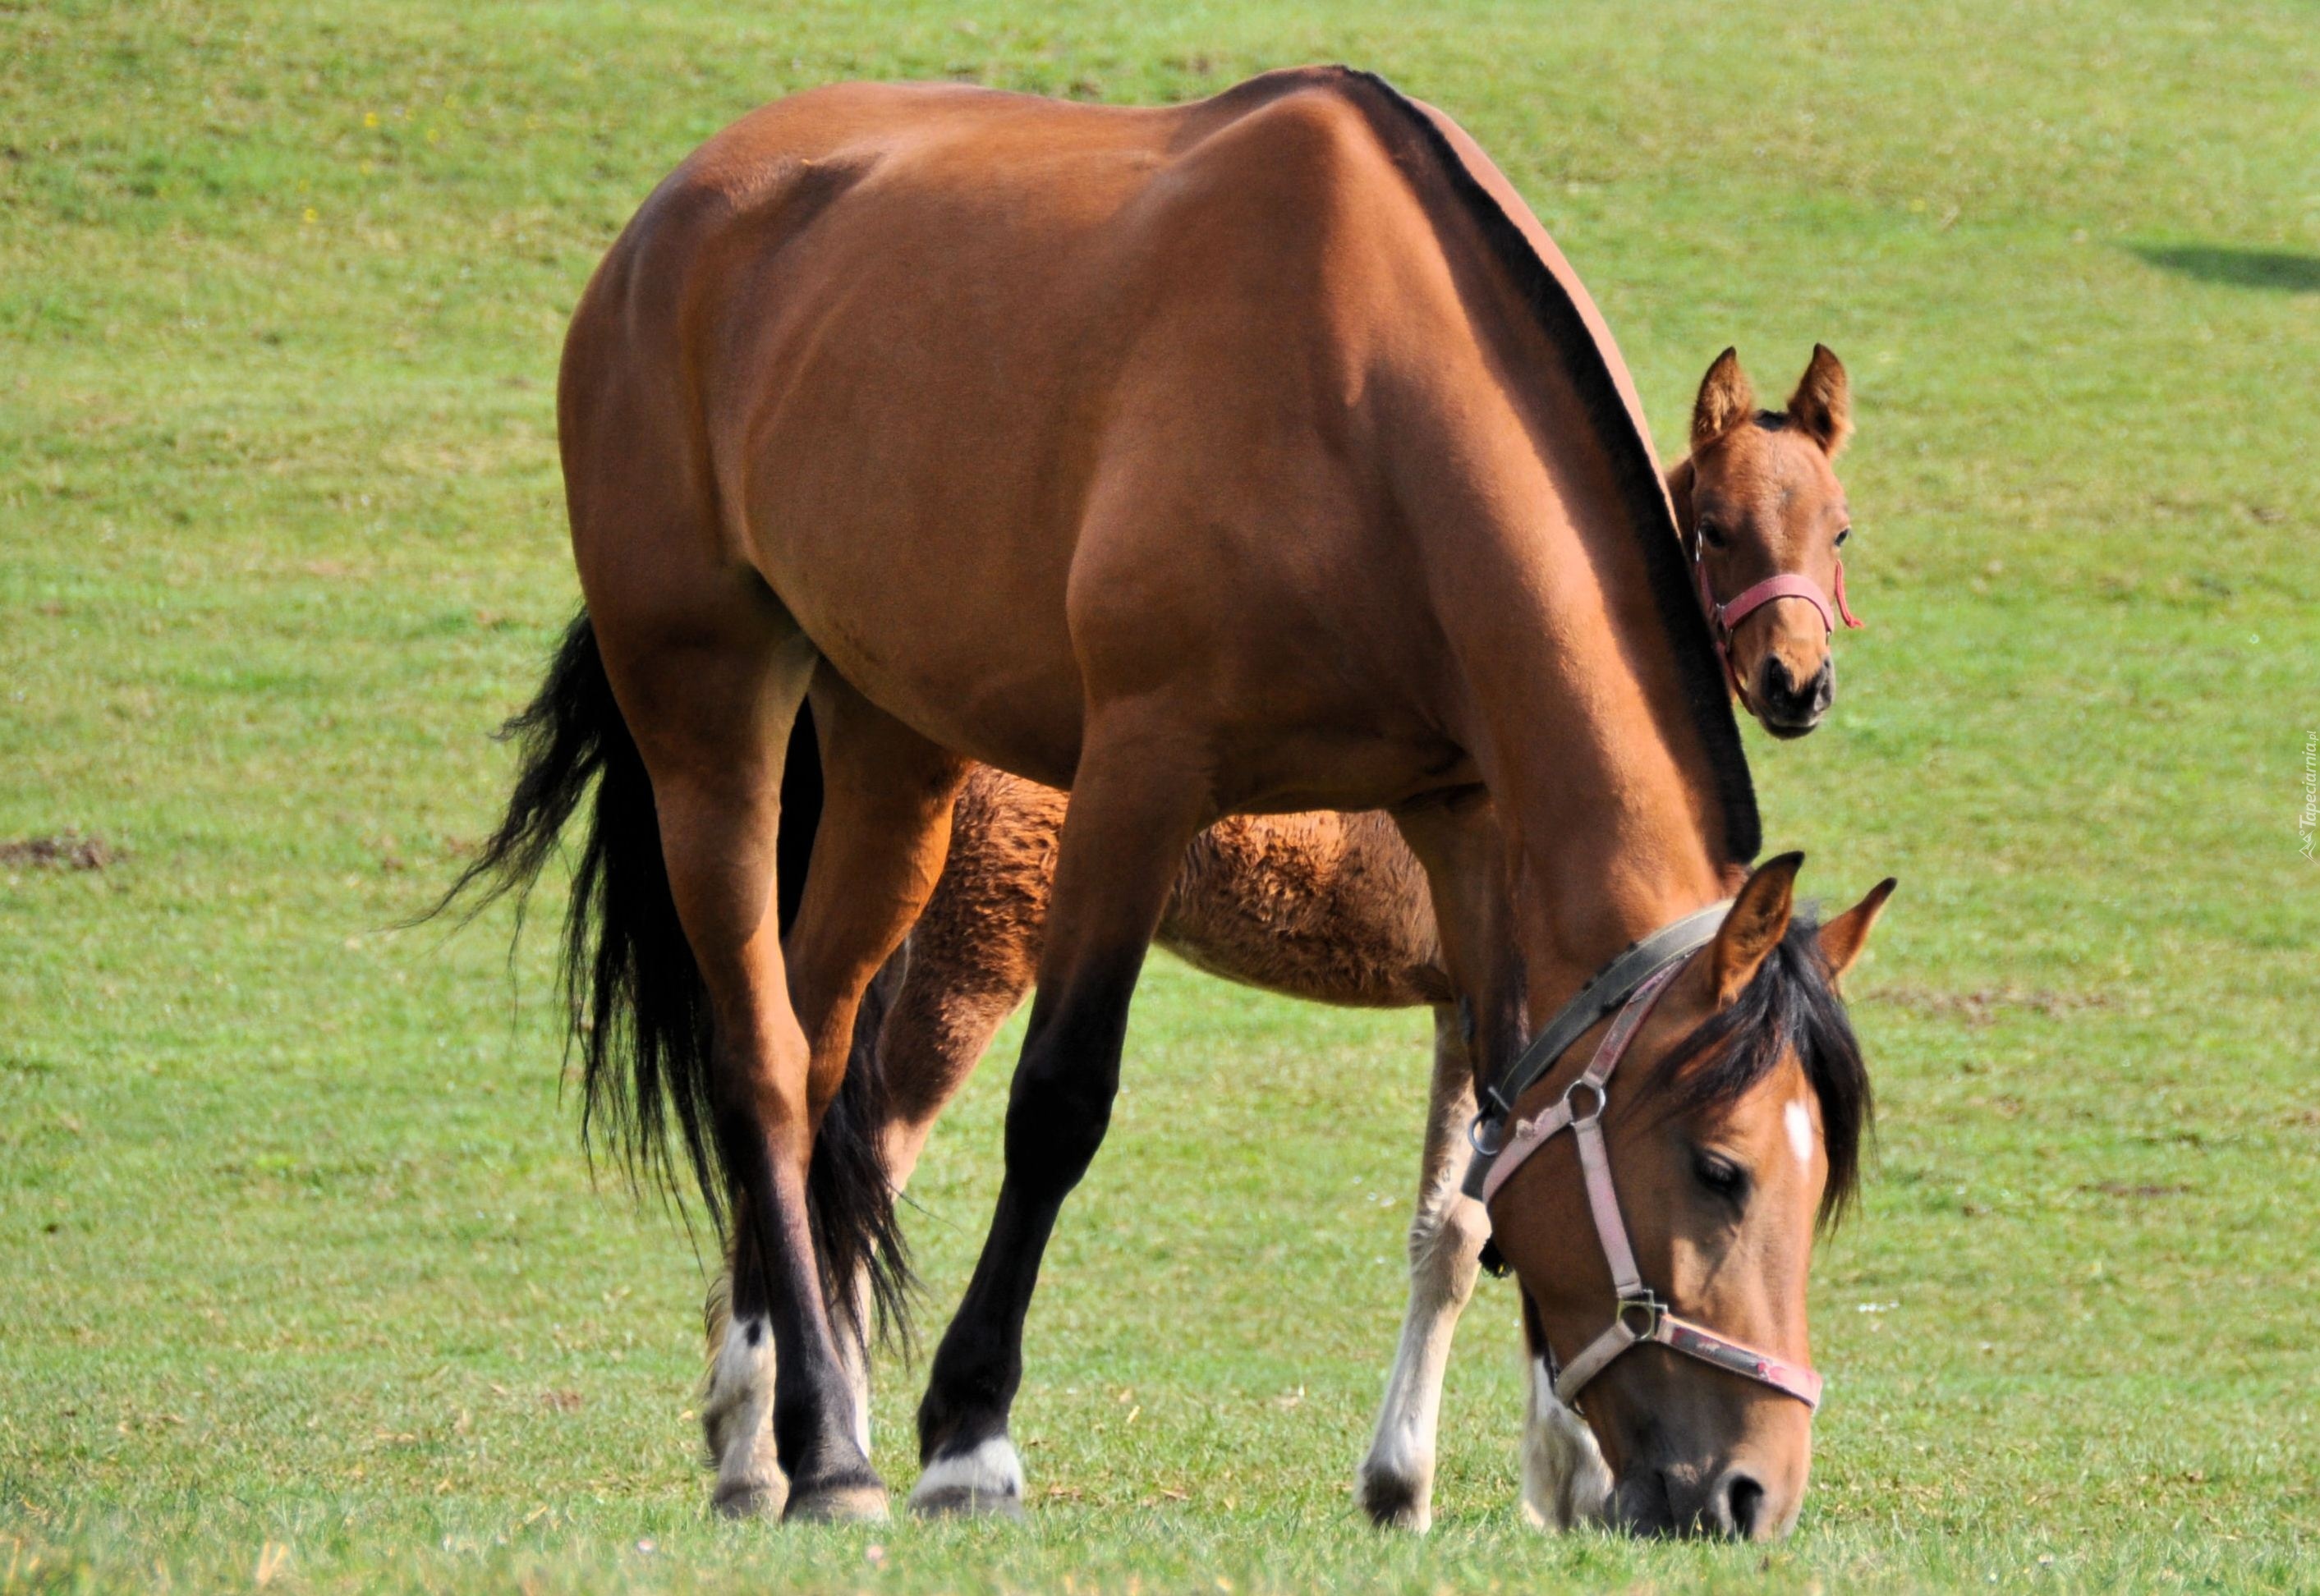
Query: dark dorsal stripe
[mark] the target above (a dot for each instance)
(1697, 665)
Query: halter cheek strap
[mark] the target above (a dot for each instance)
(1639, 1316)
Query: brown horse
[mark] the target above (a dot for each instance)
(1334, 908)
(1255, 456)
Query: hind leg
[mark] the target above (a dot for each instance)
(970, 959)
(711, 705)
(709, 689)
(884, 822)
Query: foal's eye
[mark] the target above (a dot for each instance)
(1842, 536)
(1721, 1176)
(1711, 533)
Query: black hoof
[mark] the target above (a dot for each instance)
(1392, 1503)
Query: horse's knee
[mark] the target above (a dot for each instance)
(1057, 1122)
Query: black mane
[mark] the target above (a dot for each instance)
(1645, 495)
(1793, 1004)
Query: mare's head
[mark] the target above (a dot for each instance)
(1733, 1132)
(1758, 504)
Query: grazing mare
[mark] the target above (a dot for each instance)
(1259, 454)
(1333, 908)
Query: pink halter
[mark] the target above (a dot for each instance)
(1723, 619)
(1639, 1316)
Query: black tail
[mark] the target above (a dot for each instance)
(634, 994)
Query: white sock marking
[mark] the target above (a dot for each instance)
(992, 1470)
(737, 1409)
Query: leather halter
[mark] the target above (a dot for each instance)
(1639, 1316)
(1723, 619)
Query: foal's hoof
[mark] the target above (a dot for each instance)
(836, 1502)
(985, 1483)
(749, 1499)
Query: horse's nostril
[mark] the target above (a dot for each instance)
(1739, 1503)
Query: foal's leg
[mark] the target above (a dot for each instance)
(1395, 1485)
(884, 824)
(1134, 809)
(1565, 1479)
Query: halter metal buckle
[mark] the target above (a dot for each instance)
(1646, 1305)
(1570, 1106)
(1483, 1125)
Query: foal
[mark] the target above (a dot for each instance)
(1333, 908)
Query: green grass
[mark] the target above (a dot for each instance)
(301, 1272)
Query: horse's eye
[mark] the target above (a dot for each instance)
(1711, 533)
(1842, 536)
(1721, 1176)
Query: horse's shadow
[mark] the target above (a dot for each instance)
(2284, 271)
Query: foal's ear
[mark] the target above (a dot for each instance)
(1822, 405)
(1843, 938)
(1724, 398)
(1758, 920)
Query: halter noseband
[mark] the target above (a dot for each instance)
(1631, 984)
(1723, 619)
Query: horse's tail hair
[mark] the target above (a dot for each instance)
(637, 1010)
(849, 1193)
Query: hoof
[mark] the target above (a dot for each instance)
(836, 1502)
(964, 1501)
(749, 1499)
(985, 1482)
(1392, 1503)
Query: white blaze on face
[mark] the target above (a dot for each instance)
(1800, 1131)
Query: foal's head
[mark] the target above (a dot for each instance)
(1758, 498)
(1732, 1132)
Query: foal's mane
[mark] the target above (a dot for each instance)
(1645, 495)
(1793, 1004)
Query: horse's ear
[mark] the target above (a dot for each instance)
(1724, 398)
(1843, 938)
(1822, 405)
(1758, 920)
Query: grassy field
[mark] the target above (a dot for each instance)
(303, 1282)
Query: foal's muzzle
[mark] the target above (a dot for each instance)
(1787, 706)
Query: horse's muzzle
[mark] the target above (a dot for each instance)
(1734, 1506)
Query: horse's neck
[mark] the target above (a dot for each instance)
(1614, 819)
(1520, 454)
(1576, 703)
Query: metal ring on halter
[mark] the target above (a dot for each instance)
(1646, 1305)
(1480, 1123)
(1601, 1099)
